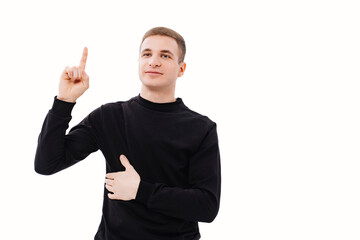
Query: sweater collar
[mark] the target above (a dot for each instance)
(162, 107)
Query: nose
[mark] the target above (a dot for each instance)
(154, 62)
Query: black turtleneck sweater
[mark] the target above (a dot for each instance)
(174, 149)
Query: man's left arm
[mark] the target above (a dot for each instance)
(200, 202)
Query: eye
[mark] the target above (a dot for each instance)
(167, 56)
(146, 54)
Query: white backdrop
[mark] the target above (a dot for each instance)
(280, 79)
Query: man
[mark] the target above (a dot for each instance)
(162, 159)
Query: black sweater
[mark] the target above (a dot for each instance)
(174, 149)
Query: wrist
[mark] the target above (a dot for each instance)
(66, 99)
(61, 107)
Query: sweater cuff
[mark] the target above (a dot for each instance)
(62, 108)
(144, 192)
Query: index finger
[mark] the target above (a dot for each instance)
(83, 58)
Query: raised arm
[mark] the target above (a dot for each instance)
(56, 150)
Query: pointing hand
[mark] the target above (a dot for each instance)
(74, 81)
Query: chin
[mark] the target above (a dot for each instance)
(153, 83)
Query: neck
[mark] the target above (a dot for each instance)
(158, 96)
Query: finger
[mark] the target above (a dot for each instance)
(66, 72)
(124, 161)
(84, 58)
(109, 182)
(111, 196)
(109, 188)
(73, 73)
(78, 73)
(110, 175)
(75, 76)
(69, 72)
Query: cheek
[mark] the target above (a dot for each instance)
(141, 66)
(140, 70)
(175, 70)
(170, 69)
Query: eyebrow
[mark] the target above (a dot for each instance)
(163, 51)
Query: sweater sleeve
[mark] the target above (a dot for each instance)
(199, 202)
(56, 150)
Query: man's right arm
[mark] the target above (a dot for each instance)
(56, 150)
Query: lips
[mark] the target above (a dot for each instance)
(153, 72)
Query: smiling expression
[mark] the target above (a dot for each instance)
(158, 61)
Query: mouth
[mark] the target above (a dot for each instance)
(153, 72)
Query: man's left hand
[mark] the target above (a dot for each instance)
(124, 184)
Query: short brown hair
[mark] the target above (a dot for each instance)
(163, 31)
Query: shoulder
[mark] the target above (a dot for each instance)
(115, 105)
(105, 110)
(111, 105)
(201, 120)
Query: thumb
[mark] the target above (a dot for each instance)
(124, 161)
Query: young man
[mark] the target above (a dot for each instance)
(162, 159)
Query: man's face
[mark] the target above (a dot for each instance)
(158, 62)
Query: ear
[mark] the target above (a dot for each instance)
(182, 69)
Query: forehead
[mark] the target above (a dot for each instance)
(158, 43)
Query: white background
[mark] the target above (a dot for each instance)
(280, 79)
